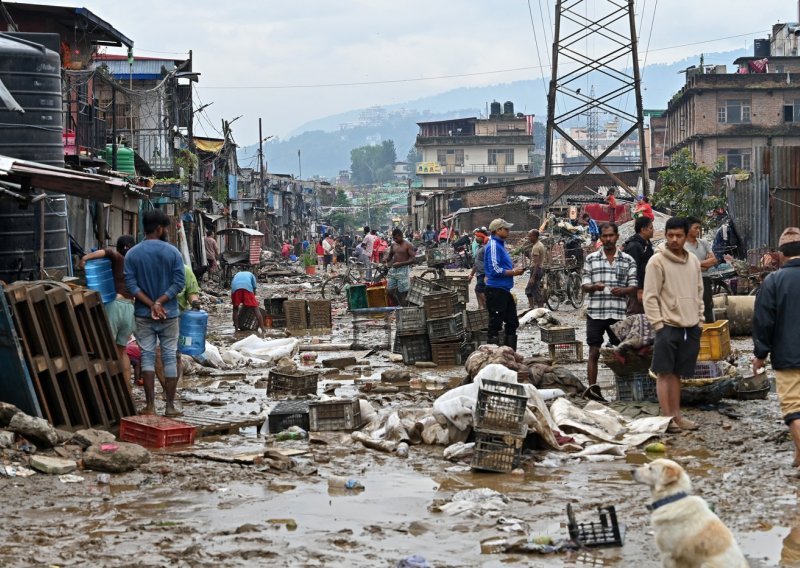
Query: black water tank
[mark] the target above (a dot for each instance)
(32, 74)
(761, 47)
(496, 109)
(508, 108)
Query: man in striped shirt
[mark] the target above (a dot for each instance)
(500, 274)
(609, 277)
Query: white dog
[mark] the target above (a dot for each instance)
(688, 533)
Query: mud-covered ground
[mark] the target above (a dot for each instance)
(180, 510)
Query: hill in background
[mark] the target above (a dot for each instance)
(325, 143)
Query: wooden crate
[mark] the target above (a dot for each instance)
(715, 342)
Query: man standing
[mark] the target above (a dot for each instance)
(775, 320)
(478, 268)
(119, 312)
(212, 251)
(328, 246)
(369, 248)
(640, 249)
(536, 253)
(702, 250)
(609, 276)
(500, 274)
(243, 293)
(399, 260)
(154, 275)
(673, 303)
(429, 235)
(611, 200)
(591, 226)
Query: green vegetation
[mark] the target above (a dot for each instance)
(373, 164)
(689, 190)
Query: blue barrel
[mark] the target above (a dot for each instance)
(100, 277)
(192, 336)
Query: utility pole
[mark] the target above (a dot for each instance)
(299, 166)
(260, 161)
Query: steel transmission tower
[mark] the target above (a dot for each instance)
(594, 42)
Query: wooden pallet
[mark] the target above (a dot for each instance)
(208, 424)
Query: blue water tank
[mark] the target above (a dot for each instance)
(192, 335)
(100, 277)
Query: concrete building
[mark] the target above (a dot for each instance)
(723, 116)
(567, 159)
(468, 151)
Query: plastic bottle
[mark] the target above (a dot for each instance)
(402, 450)
(192, 335)
(100, 277)
(341, 482)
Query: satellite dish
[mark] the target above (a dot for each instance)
(482, 179)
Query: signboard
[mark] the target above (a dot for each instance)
(429, 168)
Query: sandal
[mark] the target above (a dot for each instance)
(593, 392)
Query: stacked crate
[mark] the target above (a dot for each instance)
(499, 425)
(301, 315)
(412, 335)
(274, 311)
(561, 344)
(477, 324)
(445, 324)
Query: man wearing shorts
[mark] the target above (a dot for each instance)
(119, 312)
(774, 331)
(609, 277)
(243, 293)
(673, 304)
(400, 258)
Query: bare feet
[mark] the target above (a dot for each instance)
(684, 424)
(171, 411)
(148, 410)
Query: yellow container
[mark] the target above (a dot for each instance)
(376, 297)
(715, 342)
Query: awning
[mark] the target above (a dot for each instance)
(212, 145)
(21, 176)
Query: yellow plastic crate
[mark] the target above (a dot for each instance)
(715, 342)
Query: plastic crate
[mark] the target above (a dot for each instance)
(445, 329)
(248, 319)
(715, 342)
(605, 532)
(411, 321)
(415, 348)
(357, 297)
(637, 387)
(566, 352)
(706, 370)
(440, 304)
(368, 321)
(501, 408)
(299, 383)
(334, 415)
(496, 452)
(440, 256)
(557, 334)
(478, 338)
(376, 297)
(155, 431)
(319, 314)
(287, 414)
(459, 285)
(274, 306)
(449, 354)
(477, 320)
(419, 288)
(296, 312)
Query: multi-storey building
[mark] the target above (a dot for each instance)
(467, 151)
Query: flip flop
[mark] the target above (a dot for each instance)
(593, 392)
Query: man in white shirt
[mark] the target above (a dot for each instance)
(369, 244)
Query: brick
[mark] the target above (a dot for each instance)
(52, 465)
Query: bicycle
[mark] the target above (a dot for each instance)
(575, 292)
(554, 286)
(333, 286)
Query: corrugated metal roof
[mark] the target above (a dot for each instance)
(781, 163)
(140, 66)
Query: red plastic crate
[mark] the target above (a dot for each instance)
(155, 431)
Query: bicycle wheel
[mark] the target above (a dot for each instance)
(432, 274)
(555, 288)
(333, 287)
(720, 287)
(575, 289)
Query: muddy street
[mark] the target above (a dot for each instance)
(195, 506)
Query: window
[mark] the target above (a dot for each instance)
(501, 157)
(450, 157)
(791, 111)
(734, 112)
(451, 182)
(736, 159)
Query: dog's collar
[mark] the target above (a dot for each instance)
(666, 500)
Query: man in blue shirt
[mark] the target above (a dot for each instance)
(500, 274)
(154, 275)
(243, 293)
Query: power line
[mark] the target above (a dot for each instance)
(536, 43)
(649, 37)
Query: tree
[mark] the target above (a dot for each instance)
(688, 189)
(413, 158)
(342, 218)
(373, 164)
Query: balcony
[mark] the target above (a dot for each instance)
(504, 139)
(472, 169)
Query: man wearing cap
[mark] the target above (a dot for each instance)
(536, 253)
(500, 274)
(775, 318)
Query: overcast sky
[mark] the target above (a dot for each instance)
(241, 45)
